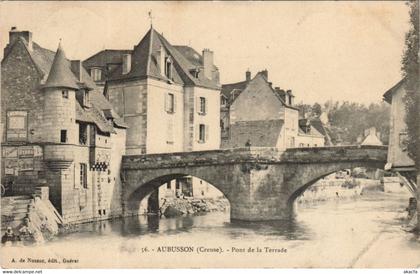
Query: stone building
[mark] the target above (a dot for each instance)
(59, 131)
(168, 95)
(253, 113)
(398, 158)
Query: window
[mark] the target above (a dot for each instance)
(82, 134)
(223, 101)
(202, 108)
(168, 185)
(168, 67)
(17, 125)
(170, 103)
(178, 185)
(65, 93)
(63, 136)
(202, 133)
(83, 175)
(96, 74)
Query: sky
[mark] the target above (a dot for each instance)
(320, 50)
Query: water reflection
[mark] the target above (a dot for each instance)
(290, 229)
(313, 223)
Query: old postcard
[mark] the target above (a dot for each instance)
(209, 135)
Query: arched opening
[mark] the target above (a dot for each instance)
(347, 184)
(175, 195)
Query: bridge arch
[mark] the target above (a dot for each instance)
(228, 179)
(260, 183)
(137, 196)
(310, 175)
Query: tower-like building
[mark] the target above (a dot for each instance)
(59, 132)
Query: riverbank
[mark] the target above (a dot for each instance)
(365, 232)
(185, 206)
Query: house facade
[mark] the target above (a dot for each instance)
(169, 96)
(259, 115)
(58, 132)
(398, 159)
(170, 103)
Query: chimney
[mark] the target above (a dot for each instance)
(248, 75)
(14, 34)
(208, 63)
(281, 92)
(290, 97)
(265, 74)
(76, 68)
(126, 63)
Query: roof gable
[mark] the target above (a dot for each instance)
(258, 86)
(261, 133)
(145, 62)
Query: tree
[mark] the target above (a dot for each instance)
(410, 71)
(316, 110)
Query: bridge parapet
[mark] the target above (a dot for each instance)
(202, 158)
(255, 155)
(335, 154)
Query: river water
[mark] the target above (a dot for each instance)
(362, 232)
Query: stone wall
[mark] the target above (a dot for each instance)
(19, 91)
(129, 100)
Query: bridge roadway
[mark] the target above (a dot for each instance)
(260, 183)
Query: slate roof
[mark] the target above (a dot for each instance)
(191, 55)
(228, 88)
(60, 75)
(105, 57)
(262, 133)
(388, 94)
(372, 139)
(145, 63)
(55, 70)
(319, 126)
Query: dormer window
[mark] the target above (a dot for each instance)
(195, 72)
(168, 67)
(82, 96)
(96, 74)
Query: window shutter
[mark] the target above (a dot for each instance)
(205, 105)
(206, 131)
(166, 102)
(174, 102)
(197, 132)
(197, 104)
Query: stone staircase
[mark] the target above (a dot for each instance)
(14, 209)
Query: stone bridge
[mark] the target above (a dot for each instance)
(260, 183)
